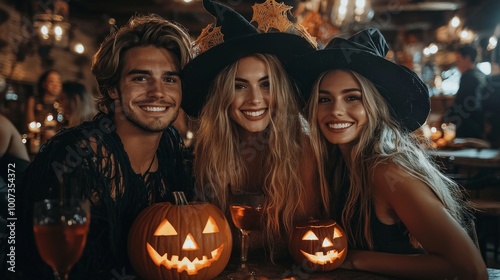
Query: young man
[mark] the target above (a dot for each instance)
(466, 109)
(128, 157)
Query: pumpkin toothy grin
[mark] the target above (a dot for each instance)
(191, 267)
(321, 258)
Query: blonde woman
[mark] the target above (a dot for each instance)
(403, 216)
(249, 137)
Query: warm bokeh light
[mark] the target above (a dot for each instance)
(466, 36)
(58, 30)
(44, 30)
(79, 48)
(455, 22)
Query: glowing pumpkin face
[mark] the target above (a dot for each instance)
(180, 241)
(318, 245)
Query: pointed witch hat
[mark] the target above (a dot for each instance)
(233, 38)
(364, 53)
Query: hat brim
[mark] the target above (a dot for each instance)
(404, 91)
(201, 71)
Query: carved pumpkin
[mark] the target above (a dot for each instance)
(180, 241)
(318, 245)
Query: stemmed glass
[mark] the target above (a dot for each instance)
(246, 213)
(60, 228)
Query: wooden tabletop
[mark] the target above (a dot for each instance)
(289, 272)
(470, 157)
(279, 272)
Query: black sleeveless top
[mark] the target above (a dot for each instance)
(392, 238)
(386, 238)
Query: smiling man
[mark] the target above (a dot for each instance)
(128, 157)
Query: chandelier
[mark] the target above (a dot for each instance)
(51, 24)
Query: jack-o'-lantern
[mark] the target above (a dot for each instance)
(318, 245)
(180, 241)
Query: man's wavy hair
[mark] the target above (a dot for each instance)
(150, 30)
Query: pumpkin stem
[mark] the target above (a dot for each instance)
(180, 198)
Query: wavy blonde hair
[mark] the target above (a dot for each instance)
(219, 157)
(381, 140)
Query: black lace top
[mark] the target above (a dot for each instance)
(91, 161)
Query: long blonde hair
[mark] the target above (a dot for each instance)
(219, 157)
(381, 140)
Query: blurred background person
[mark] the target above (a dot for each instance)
(43, 107)
(465, 112)
(77, 104)
(44, 101)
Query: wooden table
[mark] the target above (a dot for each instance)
(278, 272)
(471, 168)
(470, 157)
(293, 271)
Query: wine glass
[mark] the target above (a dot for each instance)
(246, 213)
(60, 228)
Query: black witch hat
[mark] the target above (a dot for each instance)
(364, 53)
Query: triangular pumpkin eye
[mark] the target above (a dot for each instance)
(165, 229)
(310, 236)
(337, 233)
(327, 243)
(211, 226)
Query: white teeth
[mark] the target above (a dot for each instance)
(339, 125)
(254, 113)
(153, 109)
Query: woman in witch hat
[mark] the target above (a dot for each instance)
(404, 218)
(250, 137)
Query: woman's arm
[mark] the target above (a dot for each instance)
(451, 254)
(11, 141)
